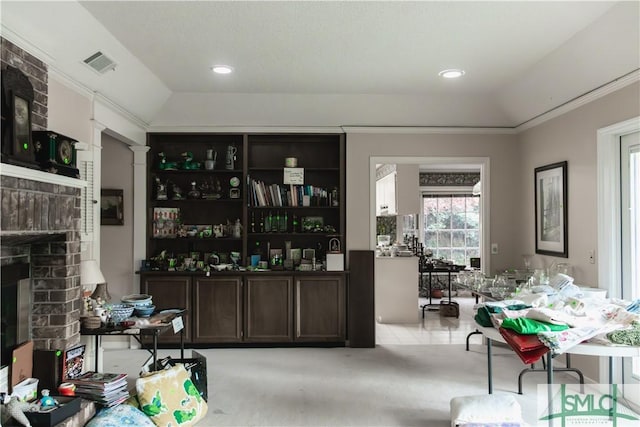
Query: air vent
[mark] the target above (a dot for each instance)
(100, 63)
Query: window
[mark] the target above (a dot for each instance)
(451, 226)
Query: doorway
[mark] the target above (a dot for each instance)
(481, 164)
(478, 164)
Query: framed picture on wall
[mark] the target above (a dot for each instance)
(111, 207)
(551, 207)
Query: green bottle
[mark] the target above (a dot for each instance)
(276, 225)
(295, 223)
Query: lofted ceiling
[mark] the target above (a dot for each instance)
(521, 58)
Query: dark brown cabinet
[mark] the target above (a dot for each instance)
(170, 292)
(217, 309)
(320, 308)
(268, 308)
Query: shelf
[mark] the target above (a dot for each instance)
(196, 239)
(199, 200)
(292, 207)
(281, 169)
(278, 234)
(198, 171)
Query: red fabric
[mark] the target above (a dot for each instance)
(528, 347)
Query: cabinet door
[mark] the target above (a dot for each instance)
(217, 309)
(320, 309)
(268, 308)
(171, 292)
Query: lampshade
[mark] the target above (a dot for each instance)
(90, 273)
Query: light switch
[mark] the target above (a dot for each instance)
(494, 249)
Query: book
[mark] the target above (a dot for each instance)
(73, 362)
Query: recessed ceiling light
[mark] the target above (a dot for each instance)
(222, 69)
(451, 74)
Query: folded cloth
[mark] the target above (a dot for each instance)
(550, 316)
(525, 326)
(484, 313)
(534, 300)
(528, 347)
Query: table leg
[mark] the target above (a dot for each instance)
(550, 385)
(97, 352)
(489, 371)
(155, 348)
(182, 343)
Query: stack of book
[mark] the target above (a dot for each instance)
(105, 388)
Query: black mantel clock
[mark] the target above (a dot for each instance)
(56, 153)
(17, 99)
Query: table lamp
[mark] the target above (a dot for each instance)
(90, 274)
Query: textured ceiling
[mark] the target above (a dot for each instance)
(342, 47)
(341, 63)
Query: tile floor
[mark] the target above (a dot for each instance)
(434, 328)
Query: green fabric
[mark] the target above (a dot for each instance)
(483, 315)
(525, 326)
(483, 318)
(626, 336)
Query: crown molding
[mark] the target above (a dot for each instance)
(25, 44)
(429, 130)
(579, 101)
(246, 129)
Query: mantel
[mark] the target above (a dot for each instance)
(36, 175)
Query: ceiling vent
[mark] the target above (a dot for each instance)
(100, 63)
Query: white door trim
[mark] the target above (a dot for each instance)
(608, 199)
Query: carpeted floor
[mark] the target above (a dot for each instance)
(390, 385)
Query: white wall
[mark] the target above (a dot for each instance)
(501, 149)
(116, 241)
(571, 137)
(69, 112)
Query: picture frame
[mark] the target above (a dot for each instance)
(551, 210)
(111, 207)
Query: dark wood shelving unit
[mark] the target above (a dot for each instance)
(279, 306)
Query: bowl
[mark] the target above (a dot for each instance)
(144, 310)
(120, 312)
(137, 300)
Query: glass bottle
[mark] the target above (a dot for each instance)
(194, 193)
(285, 223)
(295, 223)
(253, 222)
(261, 222)
(276, 225)
(267, 223)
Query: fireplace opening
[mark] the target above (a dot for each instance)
(15, 308)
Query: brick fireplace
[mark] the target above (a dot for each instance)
(40, 225)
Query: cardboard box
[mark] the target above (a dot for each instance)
(68, 406)
(22, 363)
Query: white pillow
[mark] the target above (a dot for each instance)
(489, 408)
